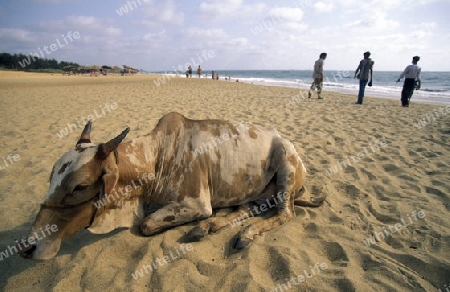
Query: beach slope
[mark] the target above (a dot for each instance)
(385, 170)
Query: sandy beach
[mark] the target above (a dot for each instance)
(385, 170)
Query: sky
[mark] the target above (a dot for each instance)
(167, 35)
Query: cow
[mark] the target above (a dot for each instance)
(178, 173)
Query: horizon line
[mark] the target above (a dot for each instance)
(352, 70)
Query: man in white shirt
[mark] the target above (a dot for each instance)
(318, 76)
(411, 74)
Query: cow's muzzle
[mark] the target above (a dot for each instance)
(42, 250)
(26, 251)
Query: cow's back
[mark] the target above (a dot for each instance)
(230, 162)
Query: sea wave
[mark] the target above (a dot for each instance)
(436, 87)
(385, 91)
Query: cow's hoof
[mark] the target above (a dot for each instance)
(242, 242)
(196, 234)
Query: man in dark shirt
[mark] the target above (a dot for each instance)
(318, 76)
(364, 74)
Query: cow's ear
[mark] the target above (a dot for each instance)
(109, 182)
(110, 178)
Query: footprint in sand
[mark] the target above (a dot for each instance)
(336, 254)
(326, 120)
(412, 182)
(311, 227)
(394, 242)
(438, 183)
(369, 174)
(390, 167)
(344, 285)
(338, 139)
(383, 158)
(435, 192)
(280, 264)
(381, 193)
(336, 219)
(380, 217)
(350, 169)
(351, 190)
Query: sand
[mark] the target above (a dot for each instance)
(394, 185)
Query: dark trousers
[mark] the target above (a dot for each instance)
(362, 88)
(408, 90)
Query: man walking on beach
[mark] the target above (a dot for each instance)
(318, 76)
(364, 74)
(411, 74)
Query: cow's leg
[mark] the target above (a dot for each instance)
(213, 224)
(290, 178)
(173, 214)
(284, 214)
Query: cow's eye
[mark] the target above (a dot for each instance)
(80, 188)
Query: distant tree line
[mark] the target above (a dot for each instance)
(36, 64)
(31, 62)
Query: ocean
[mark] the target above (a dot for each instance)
(435, 85)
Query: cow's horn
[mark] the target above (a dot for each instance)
(105, 149)
(86, 134)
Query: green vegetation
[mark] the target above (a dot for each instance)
(53, 71)
(32, 63)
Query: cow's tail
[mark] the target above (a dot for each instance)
(313, 202)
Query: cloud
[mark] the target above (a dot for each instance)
(113, 31)
(216, 38)
(51, 1)
(84, 24)
(386, 4)
(294, 27)
(83, 21)
(220, 10)
(244, 34)
(374, 20)
(281, 20)
(238, 43)
(324, 6)
(220, 7)
(156, 36)
(350, 3)
(200, 33)
(165, 12)
(428, 26)
(17, 35)
(96, 37)
(287, 14)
